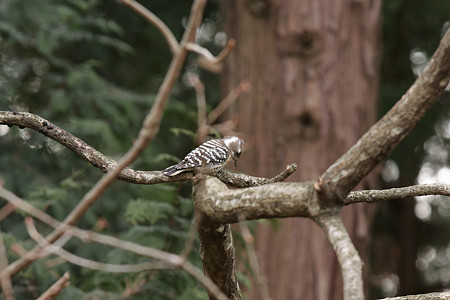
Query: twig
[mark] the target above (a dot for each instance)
(56, 288)
(189, 244)
(152, 18)
(202, 126)
(207, 55)
(146, 134)
(6, 210)
(87, 263)
(169, 258)
(348, 257)
(5, 277)
(204, 122)
(243, 180)
(243, 87)
(261, 280)
(71, 230)
(372, 196)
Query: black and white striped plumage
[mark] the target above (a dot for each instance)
(210, 157)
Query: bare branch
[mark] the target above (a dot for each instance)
(207, 54)
(378, 142)
(243, 87)
(430, 296)
(83, 234)
(202, 126)
(207, 61)
(166, 257)
(189, 244)
(261, 281)
(372, 196)
(5, 277)
(243, 180)
(152, 18)
(6, 210)
(106, 164)
(348, 257)
(87, 263)
(56, 288)
(85, 151)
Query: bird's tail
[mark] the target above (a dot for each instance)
(171, 171)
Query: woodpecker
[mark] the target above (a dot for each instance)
(210, 157)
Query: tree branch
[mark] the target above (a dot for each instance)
(275, 200)
(87, 263)
(5, 277)
(174, 260)
(207, 54)
(348, 257)
(85, 151)
(56, 288)
(106, 164)
(218, 254)
(208, 61)
(243, 180)
(149, 16)
(430, 296)
(377, 143)
(372, 196)
(243, 87)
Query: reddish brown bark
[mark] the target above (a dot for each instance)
(313, 67)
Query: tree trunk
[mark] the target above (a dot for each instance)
(313, 67)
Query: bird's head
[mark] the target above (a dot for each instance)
(236, 146)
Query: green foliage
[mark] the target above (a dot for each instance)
(83, 66)
(141, 211)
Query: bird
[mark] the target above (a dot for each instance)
(210, 157)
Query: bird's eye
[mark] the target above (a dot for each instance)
(237, 154)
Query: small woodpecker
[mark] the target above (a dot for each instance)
(210, 157)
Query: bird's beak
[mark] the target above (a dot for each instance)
(235, 161)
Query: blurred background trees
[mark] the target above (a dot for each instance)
(93, 66)
(314, 72)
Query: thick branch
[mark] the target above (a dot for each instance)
(218, 255)
(348, 257)
(276, 200)
(382, 137)
(371, 196)
(430, 296)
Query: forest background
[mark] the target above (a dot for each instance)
(92, 67)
